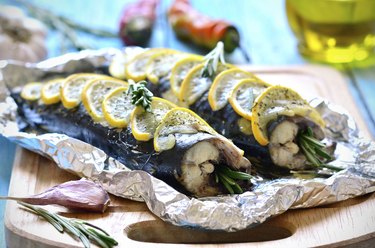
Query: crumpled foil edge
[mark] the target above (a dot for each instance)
(228, 213)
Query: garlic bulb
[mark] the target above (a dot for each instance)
(21, 38)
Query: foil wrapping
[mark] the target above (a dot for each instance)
(228, 213)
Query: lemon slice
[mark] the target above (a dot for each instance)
(194, 85)
(143, 123)
(244, 94)
(223, 85)
(136, 67)
(95, 92)
(161, 63)
(178, 120)
(31, 91)
(119, 61)
(72, 87)
(180, 69)
(117, 107)
(117, 66)
(51, 91)
(278, 101)
(245, 126)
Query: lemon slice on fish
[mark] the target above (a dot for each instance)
(117, 67)
(94, 93)
(51, 91)
(71, 88)
(136, 68)
(277, 101)
(31, 91)
(244, 94)
(223, 85)
(180, 69)
(143, 123)
(194, 85)
(161, 63)
(178, 120)
(117, 107)
(118, 64)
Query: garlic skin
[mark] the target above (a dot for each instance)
(21, 38)
(81, 195)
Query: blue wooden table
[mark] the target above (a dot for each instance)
(265, 36)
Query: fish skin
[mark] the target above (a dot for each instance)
(117, 143)
(224, 121)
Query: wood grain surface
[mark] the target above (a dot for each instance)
(344, 223)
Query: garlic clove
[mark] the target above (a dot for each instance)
(81, 194)
(34, 26)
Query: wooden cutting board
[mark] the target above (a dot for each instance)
(351, 222)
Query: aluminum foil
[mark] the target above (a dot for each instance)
(228, 213)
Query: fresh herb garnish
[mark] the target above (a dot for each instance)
(212, 60)
(228, 178)
(78, 228)
(66, 27)
(141, 96)
(314, 150)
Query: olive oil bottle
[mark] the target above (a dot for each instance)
(334, 31)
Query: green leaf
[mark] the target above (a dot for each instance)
(310, 157)
(307, 147)
(226, 185)
(105, 238)
(310, 132)
(323, 154)
(234, 174)
(212, 60)
(141, 96)
(66, 224)
(331, 167)
(227, 179)
(43, 214)
(75, 227)
(312, 141)
(237, 189)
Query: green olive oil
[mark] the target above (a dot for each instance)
(334, 31)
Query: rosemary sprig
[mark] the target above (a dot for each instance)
(141, 96)
(314, 150)
(228, 178)
(77, 228)
(64, 25)
(87, 29)
(212, 60)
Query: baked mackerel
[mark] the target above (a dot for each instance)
(189, 166)
(283, 152)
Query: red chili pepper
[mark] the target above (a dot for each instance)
(136, 22)
(191, 25)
